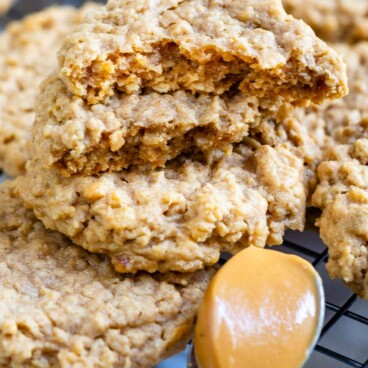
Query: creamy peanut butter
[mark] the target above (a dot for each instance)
(263, 309)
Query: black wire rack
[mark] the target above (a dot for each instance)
(346, 321)
(337, 310)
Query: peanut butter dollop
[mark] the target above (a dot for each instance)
(263, 309)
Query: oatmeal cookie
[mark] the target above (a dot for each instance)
(74, 137)
(333, 20)
(345, 120)
(342, 195)
(64, 307)
(206, 46)
(180, 217)
(27, 55)
(5, 5)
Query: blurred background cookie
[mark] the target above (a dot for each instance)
(333, 20)
(27, 55)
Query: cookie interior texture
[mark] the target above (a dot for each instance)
(74, 137)
(62, 306)
(27, 55)
(180, 217)
(333, 20)
(342, 195)
(200, 46)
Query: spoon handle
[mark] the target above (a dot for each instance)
(192, 362)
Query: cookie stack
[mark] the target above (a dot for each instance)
(165, 137)
(150, 138)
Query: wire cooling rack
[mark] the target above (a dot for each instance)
(344, 338)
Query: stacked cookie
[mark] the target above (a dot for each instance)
(165, 137)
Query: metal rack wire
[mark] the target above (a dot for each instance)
(343, 310)
(317, 255)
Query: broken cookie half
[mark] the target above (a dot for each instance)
(201, 46)
(73, 137)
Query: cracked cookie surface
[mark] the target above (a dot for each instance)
(27, 55)
(62, 306)
(179, 217)
(200, 46)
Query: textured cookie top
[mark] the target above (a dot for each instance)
(62, 306)
(179, 217)
(333, 20)
(200, 46)
(343, 197)
(27, 55)
(75, 137)
(345, 120)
